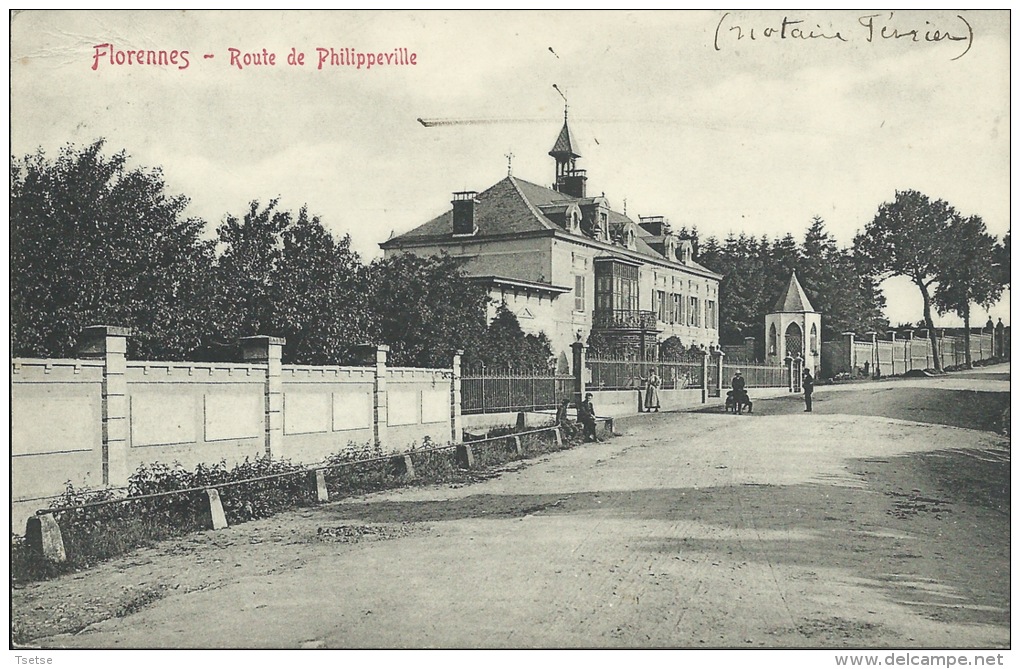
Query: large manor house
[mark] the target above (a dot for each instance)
(567, 264)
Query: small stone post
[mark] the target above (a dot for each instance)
(789, 371)
(268, 351)
(109, 344)
(42, 534)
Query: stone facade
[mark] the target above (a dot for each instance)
(567, 264)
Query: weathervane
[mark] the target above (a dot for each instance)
(565, 104)
(509, 163)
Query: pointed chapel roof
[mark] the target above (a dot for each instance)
(563, 145)
(793, 299)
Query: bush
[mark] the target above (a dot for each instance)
(95, 533)
(382, 472)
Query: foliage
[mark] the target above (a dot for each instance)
(909, 237)
(671, 348)
(756, 270)
(969, 275)
(504, 345)
(424, 308)
(286, 275)
(96, 242)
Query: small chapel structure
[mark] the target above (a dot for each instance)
(793, 328)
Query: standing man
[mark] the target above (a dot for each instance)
(808, 382)
(739, 394)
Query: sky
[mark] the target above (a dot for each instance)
(731, 121)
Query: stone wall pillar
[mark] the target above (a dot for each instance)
(456, 425)
(873, 366)
(109, 344)
(749, 351)
(375, 357)
(268, 351)
(579, 370)
(851, 352)
(718, 370)
(789, 372)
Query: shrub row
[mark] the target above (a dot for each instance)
(95, 533)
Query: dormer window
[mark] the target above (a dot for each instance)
(574, 223)
(603, 232)
(630, 239)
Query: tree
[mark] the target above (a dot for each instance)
(755, 271)
(671, 348)
(424, 308)
(969, 274)
(94, 242)
(505, 345)
(286, 275)
(908, 237)
(848, 300)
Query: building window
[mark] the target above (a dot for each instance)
(676, 316)
(814, 339)
(772, 339)
(710, 314)
(578, 292)
(694, 318)
(663, 311)
(616, 287)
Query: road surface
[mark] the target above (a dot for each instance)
(879, 520)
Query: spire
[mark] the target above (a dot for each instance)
(793, 299)
(563, 149)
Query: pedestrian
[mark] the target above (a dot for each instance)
(561, 412)
(586, 414)
(652, 391)
(808, 383)
(739, 394)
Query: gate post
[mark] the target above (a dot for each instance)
(851, 362)
(578, 347)
(109, 344)
(455, 411)
(704, 377)
(719, 355)
(268, 351)
(789, 371)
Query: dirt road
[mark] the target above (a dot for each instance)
(858, 525)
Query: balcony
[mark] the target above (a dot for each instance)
(624, 319)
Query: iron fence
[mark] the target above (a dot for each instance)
(756, 375)
(488, 390)
(617, 374)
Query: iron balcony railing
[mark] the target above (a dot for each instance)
(628, 319)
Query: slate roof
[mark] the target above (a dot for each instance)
(563, 145)
(511, 206)
(793, 299)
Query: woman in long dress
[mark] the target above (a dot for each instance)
(652, 391)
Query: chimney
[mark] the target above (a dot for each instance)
(654, 225)
(464, 203)
(573, 183)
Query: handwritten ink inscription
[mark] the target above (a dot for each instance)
(107, 55)
(870, 28)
